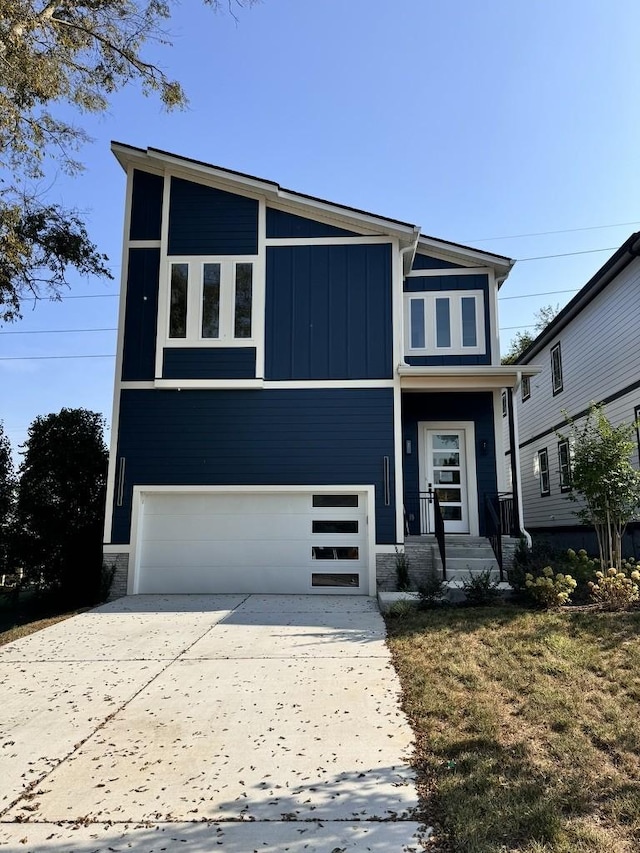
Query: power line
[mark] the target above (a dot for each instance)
(64, 298)
(567, 254)
(561, 231)
(544, 293)
(55, 331)
(46, 357)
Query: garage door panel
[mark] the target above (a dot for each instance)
(249, 543)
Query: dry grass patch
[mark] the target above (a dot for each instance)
(28, 614)
(527, 728)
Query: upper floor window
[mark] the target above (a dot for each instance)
(504, 404)
(526, 388)
(543, 468)
(564, 465)
(211, 301)
(445, 323)
(556, 369)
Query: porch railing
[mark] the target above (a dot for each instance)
(493, 528)
(418, 520)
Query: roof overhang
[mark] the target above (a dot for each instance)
(481, 378)
(467, 256)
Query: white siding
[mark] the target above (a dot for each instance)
(600, 356)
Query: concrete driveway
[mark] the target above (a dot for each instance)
(195, 723)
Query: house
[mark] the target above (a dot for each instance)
(294, 380)
(588, 353)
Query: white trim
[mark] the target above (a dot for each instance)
(259, 315)
(139, 492)
(327, 241)
(470, 453)
(390, 549)
(494, 326)
(267, 383)
(116, 549)
(501, 474)
(145, 244)
(117, 378)
(179, 384)
(163, 278)
(454, 298)
(398, 455)
(449, 271)
(137, 384)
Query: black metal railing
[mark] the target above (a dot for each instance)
(508, 522)
(420, 521)
(493, 528)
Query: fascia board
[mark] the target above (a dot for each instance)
(466, 254)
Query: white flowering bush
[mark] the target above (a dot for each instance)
(614, 589)
(549, 589)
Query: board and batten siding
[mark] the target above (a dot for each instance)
(141, 315)
(281, 224)
(262, 438)
(600, 362)
(209, 363)
(329, 312)
(146, 206)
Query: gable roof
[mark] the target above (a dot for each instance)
(621, 259)
(408, 234)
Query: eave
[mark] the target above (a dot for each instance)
(480, 378)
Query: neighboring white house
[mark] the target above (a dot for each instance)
(589, 353)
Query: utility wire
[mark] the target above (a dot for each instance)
(568, 254)
(55, 331)
(544, 293)
(47, 357)
(561, 231)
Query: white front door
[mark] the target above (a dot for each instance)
(445, 471)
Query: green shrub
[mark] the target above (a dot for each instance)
(431, 592)
(549, 589)
(531, 561)
(616, 590)
(403, 582)
(402, 610)
(481, 589)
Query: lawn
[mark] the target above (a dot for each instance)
(29, 613)
(527, 727)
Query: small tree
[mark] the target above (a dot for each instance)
(602, 474)
(60, 506)
(7, 497)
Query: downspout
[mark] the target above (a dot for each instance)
(514, 442)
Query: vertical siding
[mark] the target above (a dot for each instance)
(209, 363)
(275, 437)
(281, 224)
(426, 262)
(600, 359)
(328, 312)
(140, 322)
(146, 206)
(476, 407)
(207, 221)
(438, 284)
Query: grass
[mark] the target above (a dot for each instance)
(28, 613)
(527, 727)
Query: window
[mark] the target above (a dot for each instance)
(526, 388)
(447, 323)
(543, 468)
(334, 500)
(210, 301)
(556, 369)
(504, 404)
(564, 465)
(636, 417)
(334, 526)
(341, 579)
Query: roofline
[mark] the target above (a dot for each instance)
(621, 259)
(408, 233)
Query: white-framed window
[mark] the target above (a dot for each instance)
(556, 369)
(504, 404)
(526, 388)
(210, 301)
(444, 323)
(564, 465)
(543, 469)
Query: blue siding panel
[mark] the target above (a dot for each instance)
(436, 283)
(425, 262)
(274, 437)
(281, 224)
(209, 363)
(146, 206)
(328, 312)
(141, 317)
(207, 221)
(476, 407)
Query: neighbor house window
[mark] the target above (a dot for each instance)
(543, 468)
(210, 301)
(504, 404)
(556, 369)
(526, 388)
(564, 465)
(445, 323)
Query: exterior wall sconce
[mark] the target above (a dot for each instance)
(407, 446)
(483, 447)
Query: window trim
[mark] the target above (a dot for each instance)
(565, 478)
(504, 404)
(636, 418)
(543, 453)
(526, 381)
(195, 303)
(556, 387)
(456, 331)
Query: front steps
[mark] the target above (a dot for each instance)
(465, 555)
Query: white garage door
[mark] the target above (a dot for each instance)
(253, 543)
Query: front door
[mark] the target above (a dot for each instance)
(445, 470)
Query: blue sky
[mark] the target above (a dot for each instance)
(478, 121)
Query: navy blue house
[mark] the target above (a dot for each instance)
(292, 376)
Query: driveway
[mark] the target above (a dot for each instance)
(195, 723)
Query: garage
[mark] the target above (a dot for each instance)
(238, 541)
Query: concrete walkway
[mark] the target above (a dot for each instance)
(195, 723)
